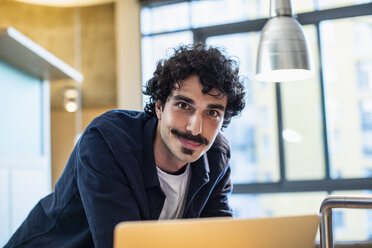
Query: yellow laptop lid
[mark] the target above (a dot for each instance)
(283, 232)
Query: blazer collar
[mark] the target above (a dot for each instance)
(149, 167)
(199, 176)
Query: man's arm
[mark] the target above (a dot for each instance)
(103, 186)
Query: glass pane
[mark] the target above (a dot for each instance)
(208, 12)
(302, 122)
(253, 135)
(21, 113)
(26, 192)
(4, 206)
(158, 47)
(211, 12)
(348, 224)
(352, 224)
(328, 4)
(267, 205)
(303, 6)
(165, 18)
(347, 71)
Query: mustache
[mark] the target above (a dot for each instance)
(188, 136)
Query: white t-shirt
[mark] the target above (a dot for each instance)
(175, 188)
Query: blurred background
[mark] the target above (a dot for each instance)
(294, 144)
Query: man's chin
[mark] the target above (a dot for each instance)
(191, 155)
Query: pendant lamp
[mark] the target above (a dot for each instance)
(283, 53)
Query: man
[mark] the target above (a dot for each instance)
(168, 162)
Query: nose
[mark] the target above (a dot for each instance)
(195, 124)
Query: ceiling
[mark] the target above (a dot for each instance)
(66, 3)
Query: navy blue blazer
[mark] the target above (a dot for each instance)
(111, 177)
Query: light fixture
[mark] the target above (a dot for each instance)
(71, 98)
(283, 53)
(291, 135)
(72, 103)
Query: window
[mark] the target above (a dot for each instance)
(157, 47)
(253, 136)
(347, 68)
(295, 143)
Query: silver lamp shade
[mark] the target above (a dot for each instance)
(283, 54)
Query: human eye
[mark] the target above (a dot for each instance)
(183, 105)
(214, 113)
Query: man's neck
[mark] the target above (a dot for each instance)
(165, 163)
(176, 173)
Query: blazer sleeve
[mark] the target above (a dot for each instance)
(104, 190)
(217, 204)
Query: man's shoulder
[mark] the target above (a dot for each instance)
(120, 116)
(123, 129)
(120, 120)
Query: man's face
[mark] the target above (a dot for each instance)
(189, 121)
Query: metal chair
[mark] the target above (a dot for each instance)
(330, 202)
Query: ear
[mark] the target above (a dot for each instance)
(158, 108)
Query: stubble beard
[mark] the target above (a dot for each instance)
(187, 151)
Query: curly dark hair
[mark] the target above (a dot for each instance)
(214, 69)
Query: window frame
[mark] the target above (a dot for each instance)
(284, 185)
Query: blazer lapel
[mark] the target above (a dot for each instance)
(199, 177)
(154, 194)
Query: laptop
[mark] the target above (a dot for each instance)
(225, 232)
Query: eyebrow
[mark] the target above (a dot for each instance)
(184, 98)
(216, 106)
(190, 101)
